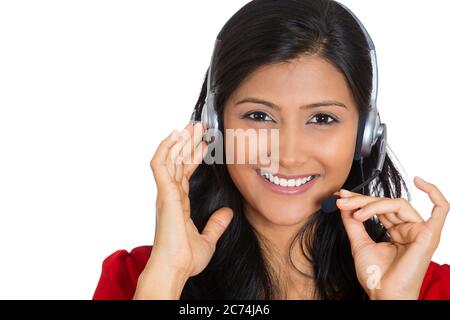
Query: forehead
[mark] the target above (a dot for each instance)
(304, 80)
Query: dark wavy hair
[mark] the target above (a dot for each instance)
(271, 31)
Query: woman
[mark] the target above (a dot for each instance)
(224, 232)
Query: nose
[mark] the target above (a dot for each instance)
(295, 147)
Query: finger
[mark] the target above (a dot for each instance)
(188, 153)
(185, 185)
(175, 157)
(169, 162)
(401, 207)
(158, 164)
(441, 205)
(185, 202)
(187, 175)
(392, 217)
(199, 154)
(344, 193)
(405, 233)
(185, 134)
(356, 232)
(385, 221)
(388, 219)
(189, 148)
(217, 224)
(179, 168)
(355, 201)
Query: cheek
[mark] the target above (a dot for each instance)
(244, 178)
(249, 146)
(339, 146)
(336, 154)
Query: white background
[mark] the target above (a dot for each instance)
(89, 88)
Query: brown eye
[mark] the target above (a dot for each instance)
(258, 116)
(323, 119)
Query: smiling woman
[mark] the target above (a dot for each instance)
(316, 139)
(237, 231)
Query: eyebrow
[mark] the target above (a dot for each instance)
(327, 103)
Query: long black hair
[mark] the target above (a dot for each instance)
(271, 31)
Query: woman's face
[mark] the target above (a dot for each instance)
(313, 139)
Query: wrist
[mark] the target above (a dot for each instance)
(160, 283)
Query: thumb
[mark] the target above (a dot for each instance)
(356, 231)
(217, 224)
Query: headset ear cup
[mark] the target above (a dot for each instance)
(204, 115)
(359, 138)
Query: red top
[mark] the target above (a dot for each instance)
(121, 270)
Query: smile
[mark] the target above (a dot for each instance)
(286, 186)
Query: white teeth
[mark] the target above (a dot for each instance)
(285, 183)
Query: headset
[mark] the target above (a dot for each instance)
(370, 128)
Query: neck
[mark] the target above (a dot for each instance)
(280, 245)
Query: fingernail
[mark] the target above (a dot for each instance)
(420, 179)
(343, 201)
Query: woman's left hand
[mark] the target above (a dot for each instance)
(396, 269)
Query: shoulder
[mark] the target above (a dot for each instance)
(436, 283)
(120, 273)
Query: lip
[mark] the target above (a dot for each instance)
(288, 190)
(291, 177)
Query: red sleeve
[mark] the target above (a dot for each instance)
(120, 272)
(436, 283)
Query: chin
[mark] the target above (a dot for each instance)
(285, 216)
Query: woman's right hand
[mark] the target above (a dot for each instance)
(178, 244)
